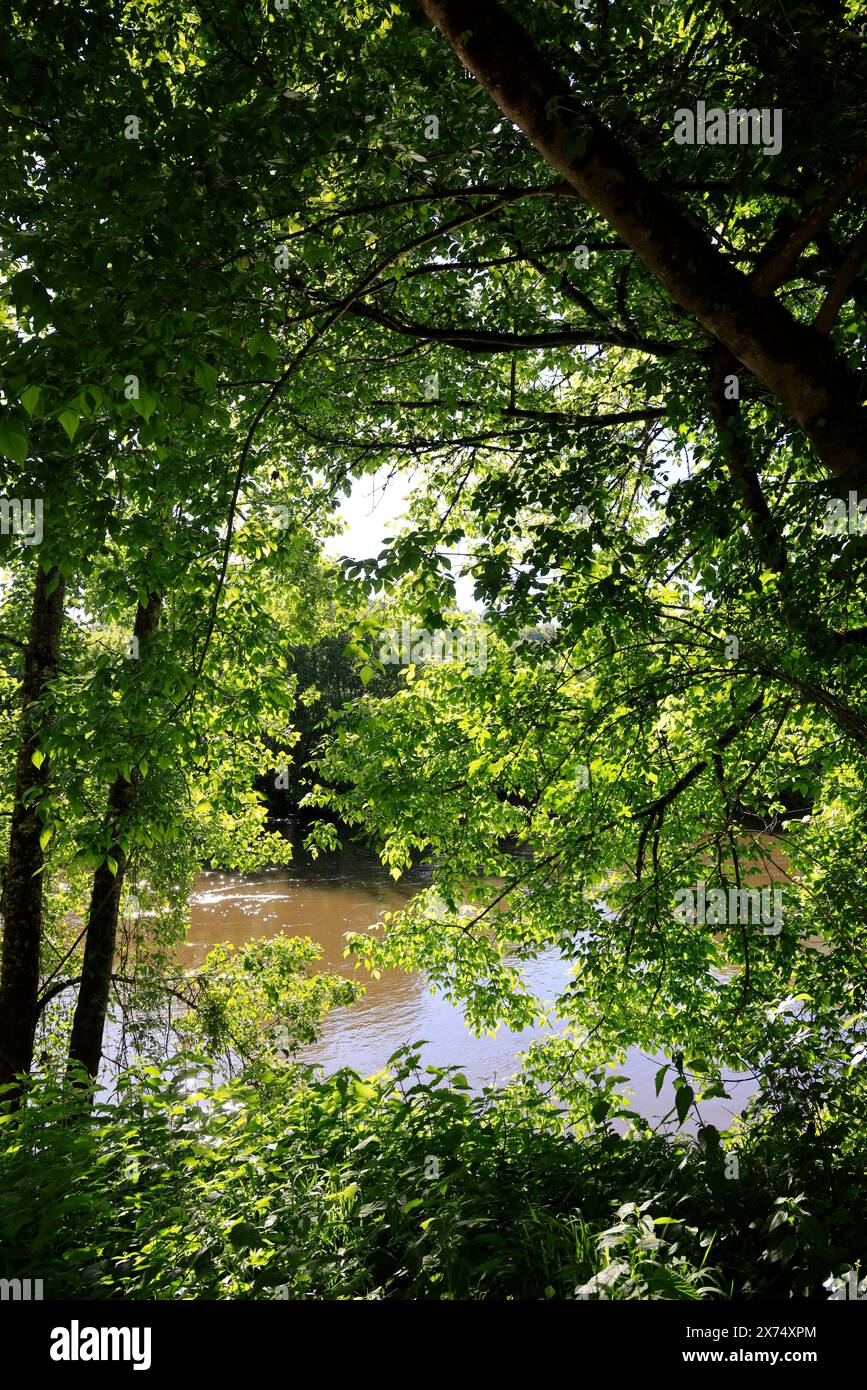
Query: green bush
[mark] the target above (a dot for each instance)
(405, 1186)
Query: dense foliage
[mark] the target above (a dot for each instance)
(251, 255)
(406, 1186)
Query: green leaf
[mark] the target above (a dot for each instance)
(243, 1236)
(682, 1101)
(145, 405)
(13, 444)
(69, 421)
(30, 398)
(263, 343)
(717, 1090)
(205, 376)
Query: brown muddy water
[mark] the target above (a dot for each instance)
(348, 892)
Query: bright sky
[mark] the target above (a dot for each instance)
(373, 511)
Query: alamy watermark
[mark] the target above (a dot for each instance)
(22, 518)
(77, 1343)
(842, 1287)
(846, 519)
(720, 907)
(739, 126)
(408, 644)
(20, 1290)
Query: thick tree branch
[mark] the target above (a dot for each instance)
(763, 527)
(776, 268)
(791, 361)
(843, 282)
(490, 340)
(553, 417)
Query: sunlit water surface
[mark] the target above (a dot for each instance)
(349, 892)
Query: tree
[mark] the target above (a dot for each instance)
(626, 407)
(654, 484)
(121, 289)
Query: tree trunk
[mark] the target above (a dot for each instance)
(22, 889)
(794, 362)
(88, 1024)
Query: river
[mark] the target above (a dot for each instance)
(348, 892)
